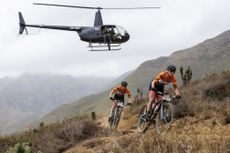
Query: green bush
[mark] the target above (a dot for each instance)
(24, 147)
(93, 116)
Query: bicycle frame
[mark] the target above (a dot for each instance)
(161, 114)
(155, 109)
(166, 99)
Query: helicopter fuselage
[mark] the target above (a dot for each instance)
(102, 34)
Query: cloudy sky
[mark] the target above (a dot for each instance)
(179, 24)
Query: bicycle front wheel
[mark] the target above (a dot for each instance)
(142, 125)
(164, 118)
(116, 118)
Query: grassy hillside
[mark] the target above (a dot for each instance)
(210, 56)
(202, 125)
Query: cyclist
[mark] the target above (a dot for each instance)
(156, 88)
(117, 94)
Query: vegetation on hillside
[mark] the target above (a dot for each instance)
(185, 76)
(53, 138)
(202, 125)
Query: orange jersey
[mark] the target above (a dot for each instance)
(164, 76)
(121, 90)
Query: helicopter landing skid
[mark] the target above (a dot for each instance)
(104, 47)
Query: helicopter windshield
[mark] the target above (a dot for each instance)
(114, 30)
(120, 30)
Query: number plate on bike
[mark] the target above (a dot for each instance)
(166, 97)
(121, 104)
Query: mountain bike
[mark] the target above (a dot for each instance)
(116, 115)
(161, 115)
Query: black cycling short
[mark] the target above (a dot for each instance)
(119, 97)
(157, 87)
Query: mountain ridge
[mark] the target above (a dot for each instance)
(209, 56)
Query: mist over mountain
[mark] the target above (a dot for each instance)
(210, 56)
(30, 96)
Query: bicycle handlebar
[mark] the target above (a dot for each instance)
(174, 99)
(127, 104)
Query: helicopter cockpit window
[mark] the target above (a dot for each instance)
(121, 30)
(109, 30)
(115, 32)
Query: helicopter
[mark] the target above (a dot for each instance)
(101, 37)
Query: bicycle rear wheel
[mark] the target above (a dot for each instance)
(142, 125)
(164, 118)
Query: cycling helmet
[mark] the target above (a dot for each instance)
(124, 83)
(171, 68)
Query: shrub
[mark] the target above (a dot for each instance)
(93, 116)
(24, 147)
(187, 76)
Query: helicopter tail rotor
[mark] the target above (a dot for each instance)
(22, 24)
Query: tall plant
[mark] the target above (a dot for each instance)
(187, 76)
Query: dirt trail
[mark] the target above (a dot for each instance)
(186, 129)
(125, 130)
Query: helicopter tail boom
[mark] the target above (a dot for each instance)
(22, 24)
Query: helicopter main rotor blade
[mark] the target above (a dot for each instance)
(98, 8)
(126, 8)
(72, 6)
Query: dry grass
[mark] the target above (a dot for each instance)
(188, 135)
(202, 124)
(57, 137)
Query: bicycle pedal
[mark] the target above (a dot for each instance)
(148, 120)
